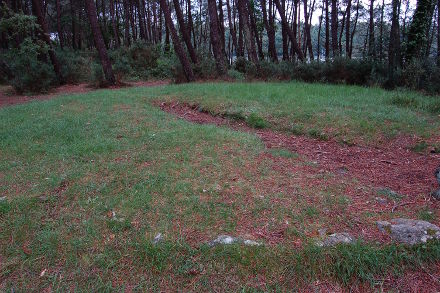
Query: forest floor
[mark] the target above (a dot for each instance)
(88, 180)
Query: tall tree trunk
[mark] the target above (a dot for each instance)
(381, 31)
(347, 29)
(232, 31)
(255, 33)
(307, 31)
(318, 49)
(127, 23)
(270, 31)
(113, 20)
(327, 32)
(215, 38)
(341, 33)
(191, 24)
(371, 41)
(60, 32)
(354, 29)
(438, 33)
(99, 42)
(45, 37)
(184, 31)
(187, 69)
(74, 32)
(394, 44)
(419, 27)
(288, 30)
(221, 26)
(250, 44)
(334, 28)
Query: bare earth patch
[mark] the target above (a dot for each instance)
(9, 98)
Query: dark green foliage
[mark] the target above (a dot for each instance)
(256, 121)
(75, 67)
(405, 101)
(29, 67)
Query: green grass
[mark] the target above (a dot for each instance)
(69, 163)
(348, 113)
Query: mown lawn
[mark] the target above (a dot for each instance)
(87, 181)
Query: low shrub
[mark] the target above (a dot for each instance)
(255, 121)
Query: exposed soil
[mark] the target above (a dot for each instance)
(391, 166)
(8, 97)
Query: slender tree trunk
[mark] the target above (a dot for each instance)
(255, 34)
(221, 26)
(184, 31)
(46, 38)
(250, 44)
(126, 23)
(354, 29)
(347, 29)
(341, 33)
(327, 32)
(334, 28)
(270, 31)
(215, 38)
(288, 30)
(318, 49)
(187, 69)
(113, 20)
(191, 24)
(232, 31)
(438, 33)
(60, 32)
(371, 41)
(394, 44)
(307, 31)
(381, 31)
(99, 42)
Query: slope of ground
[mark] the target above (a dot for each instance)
(87, 181)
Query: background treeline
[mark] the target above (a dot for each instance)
(370, 42)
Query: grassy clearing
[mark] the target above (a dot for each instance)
(90, 179)
(348, 113)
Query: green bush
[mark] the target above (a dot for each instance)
(31, 70)
(256, 121)
(98, 79)
(75, 67)
(235, 75)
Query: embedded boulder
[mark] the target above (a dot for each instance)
(226, 240)
(409, 231)
(335, 239)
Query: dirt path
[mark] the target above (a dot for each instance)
(8, 98)
(392, 166)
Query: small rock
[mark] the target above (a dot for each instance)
(43, 198)
(436, 194)
(409, 231)
(381, 200)
(437, 175)
(322, 232)
(226, 240)
(2, 198)
(158, 238)
(335, 239)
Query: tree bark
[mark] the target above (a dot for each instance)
(327, 32)
(216, 38)
(45, 36)
(176, 42)
(347, 29)
(60, 32)
(250, 44)
(185, 33)
(354, 30)
(113, 20)
(99, 42)
(284, 23)
(394, 44)
(232, 30)
(126, 23)
(371, 41)
(307, 31)
(334, 28)
(270, 30)
(438, 33)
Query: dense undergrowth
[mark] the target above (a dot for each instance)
(26, 71)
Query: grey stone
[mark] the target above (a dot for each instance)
(2, 198)
(409, 231)
(437, 175)
(436, 194)
(226, 240)
(158, 238)
(335, 239)
(381, 200)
